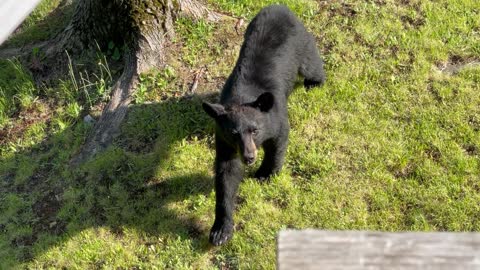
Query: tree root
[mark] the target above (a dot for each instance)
(197, 10)
(107, 126)
(8, 53)
(148, 52)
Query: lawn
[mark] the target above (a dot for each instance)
(390, 143)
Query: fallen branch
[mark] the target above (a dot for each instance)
(196, 79)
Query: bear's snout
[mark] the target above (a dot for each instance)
(249, 159)
(249, 150)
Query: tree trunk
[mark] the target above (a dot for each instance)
(144, 27)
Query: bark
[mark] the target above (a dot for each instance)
(197, 11)
(144, 27)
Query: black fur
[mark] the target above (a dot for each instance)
(253, 105)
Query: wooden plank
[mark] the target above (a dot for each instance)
(358, 250)
(12, 13)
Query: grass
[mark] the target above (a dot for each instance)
(390, 143)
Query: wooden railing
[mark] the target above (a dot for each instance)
(315, 249)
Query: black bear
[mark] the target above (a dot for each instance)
(253, 104)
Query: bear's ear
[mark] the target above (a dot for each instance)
(264, 102)
(214, 110)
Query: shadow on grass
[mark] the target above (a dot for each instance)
(122, 187)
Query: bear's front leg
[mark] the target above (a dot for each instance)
(228, 174)
(275, 150)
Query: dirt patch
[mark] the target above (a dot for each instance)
(7, 181)
(23, 244)
(474, 184)
(226, 262)
(433, 153)
(225, 43)
(281, 203)
(45, 210)
(471, 149)
(21, 241)
(39, 113)
(415, 23)
(405, 172)
(407, 66)
(456, 63)
(44, 219)
(474, 122)
(338, 9)
(239, 201)
(194, 228)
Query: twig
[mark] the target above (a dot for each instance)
(197, 77)
(238, 25)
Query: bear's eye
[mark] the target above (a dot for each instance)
(234, 131)
(254, 131)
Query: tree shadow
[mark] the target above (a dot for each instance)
(122, 187)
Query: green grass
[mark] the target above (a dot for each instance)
(390, 143)
(16, 89)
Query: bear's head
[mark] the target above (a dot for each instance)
(244, 127)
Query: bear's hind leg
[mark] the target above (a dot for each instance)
(312, 65)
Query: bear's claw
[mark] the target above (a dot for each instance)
(219, 235)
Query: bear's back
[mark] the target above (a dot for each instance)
(271, 28)
(269, 57)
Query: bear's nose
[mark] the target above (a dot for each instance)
(250, 159)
